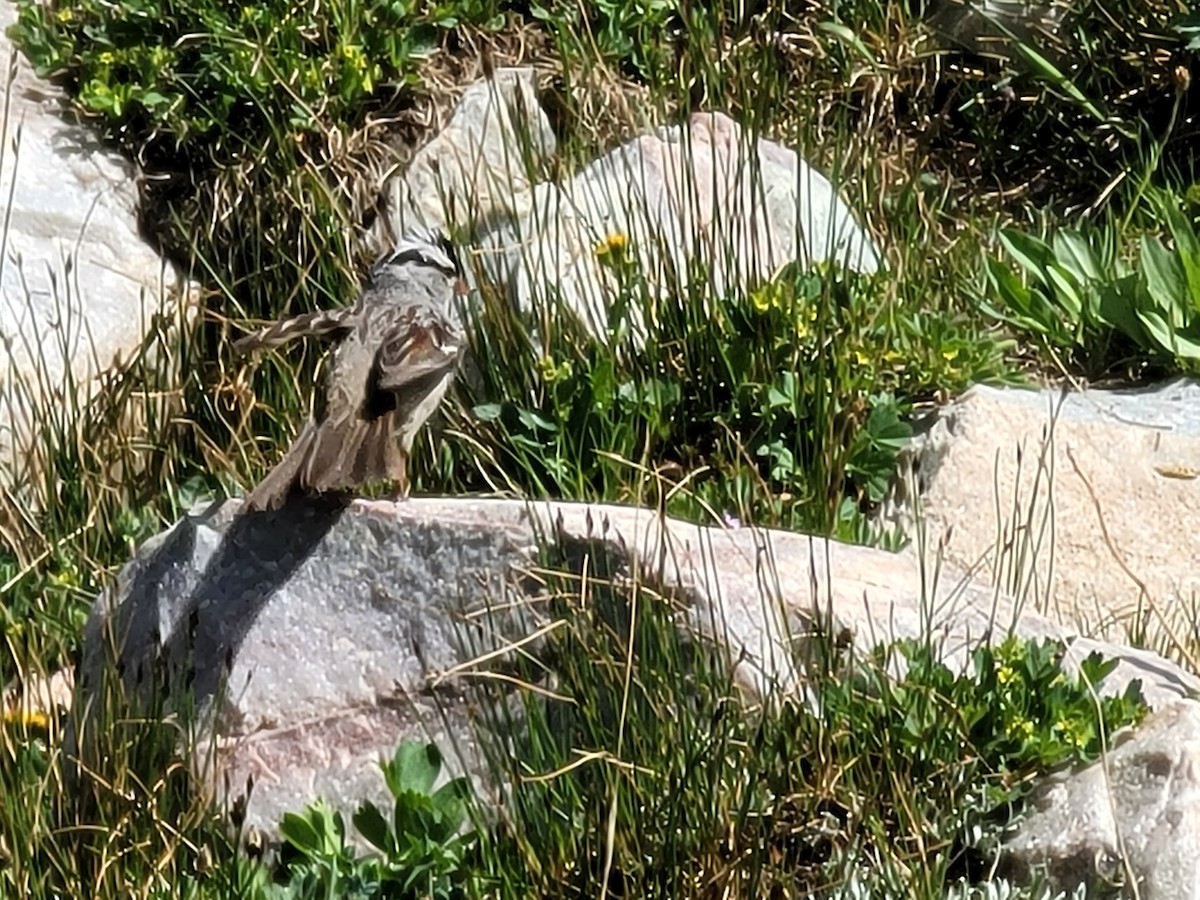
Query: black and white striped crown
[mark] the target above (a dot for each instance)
(425, 247)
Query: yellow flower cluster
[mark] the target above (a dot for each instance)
(552, 372)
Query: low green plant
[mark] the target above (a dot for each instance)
(1093, 304)
(645, 772)
(783, 406)
(422, 844)
(199, 74)
(629, 33)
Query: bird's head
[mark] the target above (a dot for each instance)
(429, 247)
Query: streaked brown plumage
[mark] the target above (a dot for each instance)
(399, 347)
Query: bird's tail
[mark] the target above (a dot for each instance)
(334, 456)
(322, 323)
(357, 453)
(282, 480)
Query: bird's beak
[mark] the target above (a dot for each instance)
(460, 287)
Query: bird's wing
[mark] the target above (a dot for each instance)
(317, 324)
(418, 343)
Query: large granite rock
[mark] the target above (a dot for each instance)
(316, 638)
(703, 200)
(78, 285)
(481, 165)
(1087, 504)
(1132, 819)
(704, 207)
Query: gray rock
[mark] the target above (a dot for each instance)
(705, 197)
(479, 167)
(1132, 819)
(1086, 504)
(315, 639)
(704, 200)
(79, 286)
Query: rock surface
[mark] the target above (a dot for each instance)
(317, 638)
(1096, 526)
(1132, 819)
(704, 199)
(479, 166)
(78, 283)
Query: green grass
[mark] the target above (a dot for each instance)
(781, 406)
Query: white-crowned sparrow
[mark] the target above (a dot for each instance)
(399, 346)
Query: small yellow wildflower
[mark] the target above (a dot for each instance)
(767, 297)
(552, 372)
(1005, 674)
(35, 719)
(612, 248)
(1071, 730)
(805, 322)
(106, 58)
(1021, 727)
(64, 15)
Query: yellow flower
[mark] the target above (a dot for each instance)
(30, 719)
(1005, 674)
(1021, 727)
(106, 58)
(64, 15)
(612, 247)
(552, 372)
(1071, 730)
(769, 296)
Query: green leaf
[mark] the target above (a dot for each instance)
(1165, 283)
(783, 394)
(373, 825)
(414, 767)
(844, 35)
(297, 830)
(451, 799)
(535, 422)
(1051, 73)
(1031, 253)
(1187, 251)
(1168, 338)
(1187, 27)
(1118, 309)
(1066, 292)
(1074, 252)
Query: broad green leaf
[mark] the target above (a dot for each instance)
(317, 832)
(1117, 309)
(1066, 292)
(1031, 253)
(1187, 250)
(373, 826)
(1165, 282)
(414, 768)
(451, 799)
(1075, 253)
(1168, 338)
